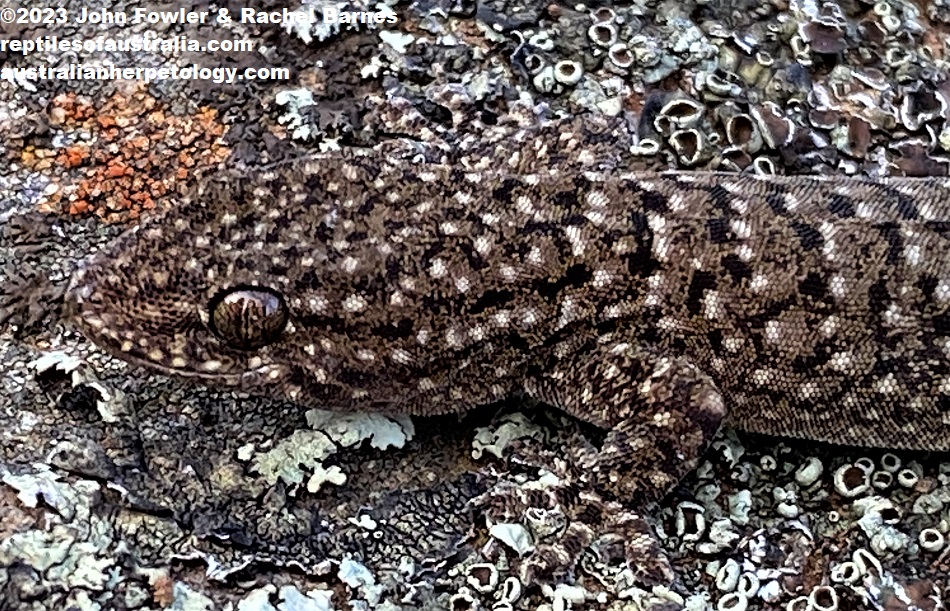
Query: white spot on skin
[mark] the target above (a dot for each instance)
(573, 234)
(483, 245)
(568, 312)
(712, 305)
(397, 299)
(502, 318)
(534, 256)
(828, 249)
(350, 264)
(354, 303)
(477, 333)
(529, 318)
(602, 278)
(792, 202)
(597, 199)
(438, 268)
(863, 211)
(733, 344)
(745, 252)
(210, 366)
(595, 216)
(310, 349)
(741, 228)
(365, 355)
(677, 202)
(524, 205)
(773, 331)
(462, 284)
(449, 228)
(619, 348)
(508, 273)
(407, 284)
(942, 292)
(661, 248)
(837, 286)
(759, 283)
(913, 255)
(829, 327)
(887, 385)
(422, 337)
(401, 356)
(893, 316)
(809, 390)
(842, 361)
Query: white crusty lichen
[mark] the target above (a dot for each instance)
(360, 579)
(305, 450)
(295, 100)
(328, 22)
(291, 599)
(495, 438)
(112, 401)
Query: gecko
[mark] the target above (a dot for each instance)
(656, 306)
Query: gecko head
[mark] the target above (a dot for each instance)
(202, 291)
(156, 313)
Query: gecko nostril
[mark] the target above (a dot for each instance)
(248, 317)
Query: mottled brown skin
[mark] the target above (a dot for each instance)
(650, 305)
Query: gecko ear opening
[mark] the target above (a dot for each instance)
(248, 317)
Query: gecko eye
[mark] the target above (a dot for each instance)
(248, 318)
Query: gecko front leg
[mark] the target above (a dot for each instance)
(661, 413)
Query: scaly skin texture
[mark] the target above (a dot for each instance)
(653, 305)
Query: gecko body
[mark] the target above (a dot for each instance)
(653, 305)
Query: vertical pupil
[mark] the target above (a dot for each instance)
(249, 318)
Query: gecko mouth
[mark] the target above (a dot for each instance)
(243, 379)
(214, 372)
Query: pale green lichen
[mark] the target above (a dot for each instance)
(71, 545)
(305, 450)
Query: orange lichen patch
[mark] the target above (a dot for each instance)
(126, 153)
